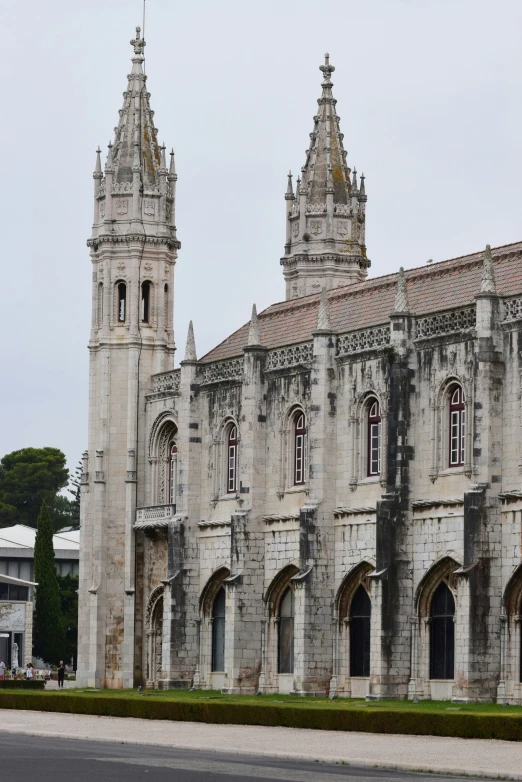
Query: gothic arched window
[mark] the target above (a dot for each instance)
(286, 632)
(122, 302)
(145, 301)
(100, 304)
(360, 617)
(457, 426)
(172, 472)
(218, 631)
(374, 438)
(442, 633)
(232, 459)
(300, 449)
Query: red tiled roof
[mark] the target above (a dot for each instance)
(431, 288)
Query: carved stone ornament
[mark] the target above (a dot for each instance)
(148, 267)
(316, 227)
(149, 207)
(122, 206)
(121, 267)
(102, 209)
(295, 228)
(342, 227)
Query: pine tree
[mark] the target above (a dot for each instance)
(48, 632)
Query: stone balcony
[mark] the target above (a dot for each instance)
(154, 516)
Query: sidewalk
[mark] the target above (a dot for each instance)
(474, 757)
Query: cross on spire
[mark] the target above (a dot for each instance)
(138, 43)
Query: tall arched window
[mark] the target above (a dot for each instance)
(286, 632)
(360, 616)
(442, 634)
(145, 302)
(218, 631)
(122, 302)
(300, 449)
(100, 304)
(374, 438)
(173, 472)
(232, 460)
(166, 303)
(457, 426)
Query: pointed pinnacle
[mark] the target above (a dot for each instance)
(190, 349)
(487, 283)
(401, 294)
(362, 189)
(354, 179)
(323, 314)
(97, 168)
(172, 169)
(163, 162)
(289, 196)
(254, 336)
(109, 161)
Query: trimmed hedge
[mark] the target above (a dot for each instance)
(463, 725)
(21, 684)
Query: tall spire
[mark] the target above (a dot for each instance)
(138, 188)
(401, 294)
(487, 283)
(325, 228)
(190, 349)
(254, 336)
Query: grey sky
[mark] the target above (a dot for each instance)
(430, 99)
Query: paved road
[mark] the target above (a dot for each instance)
(25, 758)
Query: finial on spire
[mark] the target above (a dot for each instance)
(323, 314)
(362, 189)
(138, 43)
(97, 168)
(401, 294)
(327, 70)
(289, 190)
(254, 336)
(190, 349)
(354, 179)
(487, 283)
(163, 162)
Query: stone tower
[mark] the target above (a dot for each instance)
(133, 248)
(325, 218)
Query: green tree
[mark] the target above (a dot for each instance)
(27, 478)
(48, 630)
(69, 605)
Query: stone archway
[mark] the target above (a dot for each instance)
(155, 639)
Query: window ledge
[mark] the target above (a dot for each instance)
(369, 479)
(460, 470)
(228, 497)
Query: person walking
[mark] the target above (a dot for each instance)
(29, 672)
(61, 674)
(2, 669)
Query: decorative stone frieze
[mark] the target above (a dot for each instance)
(360, 341)
(154, 516)
(222, 371)
(166, 381)
(442, 323)
(291, 356)
(512, 310)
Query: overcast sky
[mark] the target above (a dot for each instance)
(430, 98)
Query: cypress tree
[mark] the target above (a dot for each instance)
(48, 631)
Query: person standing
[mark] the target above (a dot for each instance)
(61, 674)
(2, 669)
(29, 672)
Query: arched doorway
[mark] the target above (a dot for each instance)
(155, 640)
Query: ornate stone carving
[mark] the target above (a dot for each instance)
(224, 370)
(167, 381)
(290, 356)
(316, 227)
(342, 227)
(359, 341)
(149, 207)
(122, 206)
(512, 310)
(446, 323)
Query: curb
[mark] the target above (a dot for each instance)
(339, 761)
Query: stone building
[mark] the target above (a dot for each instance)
(330, 500)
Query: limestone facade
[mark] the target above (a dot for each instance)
(287, 513)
